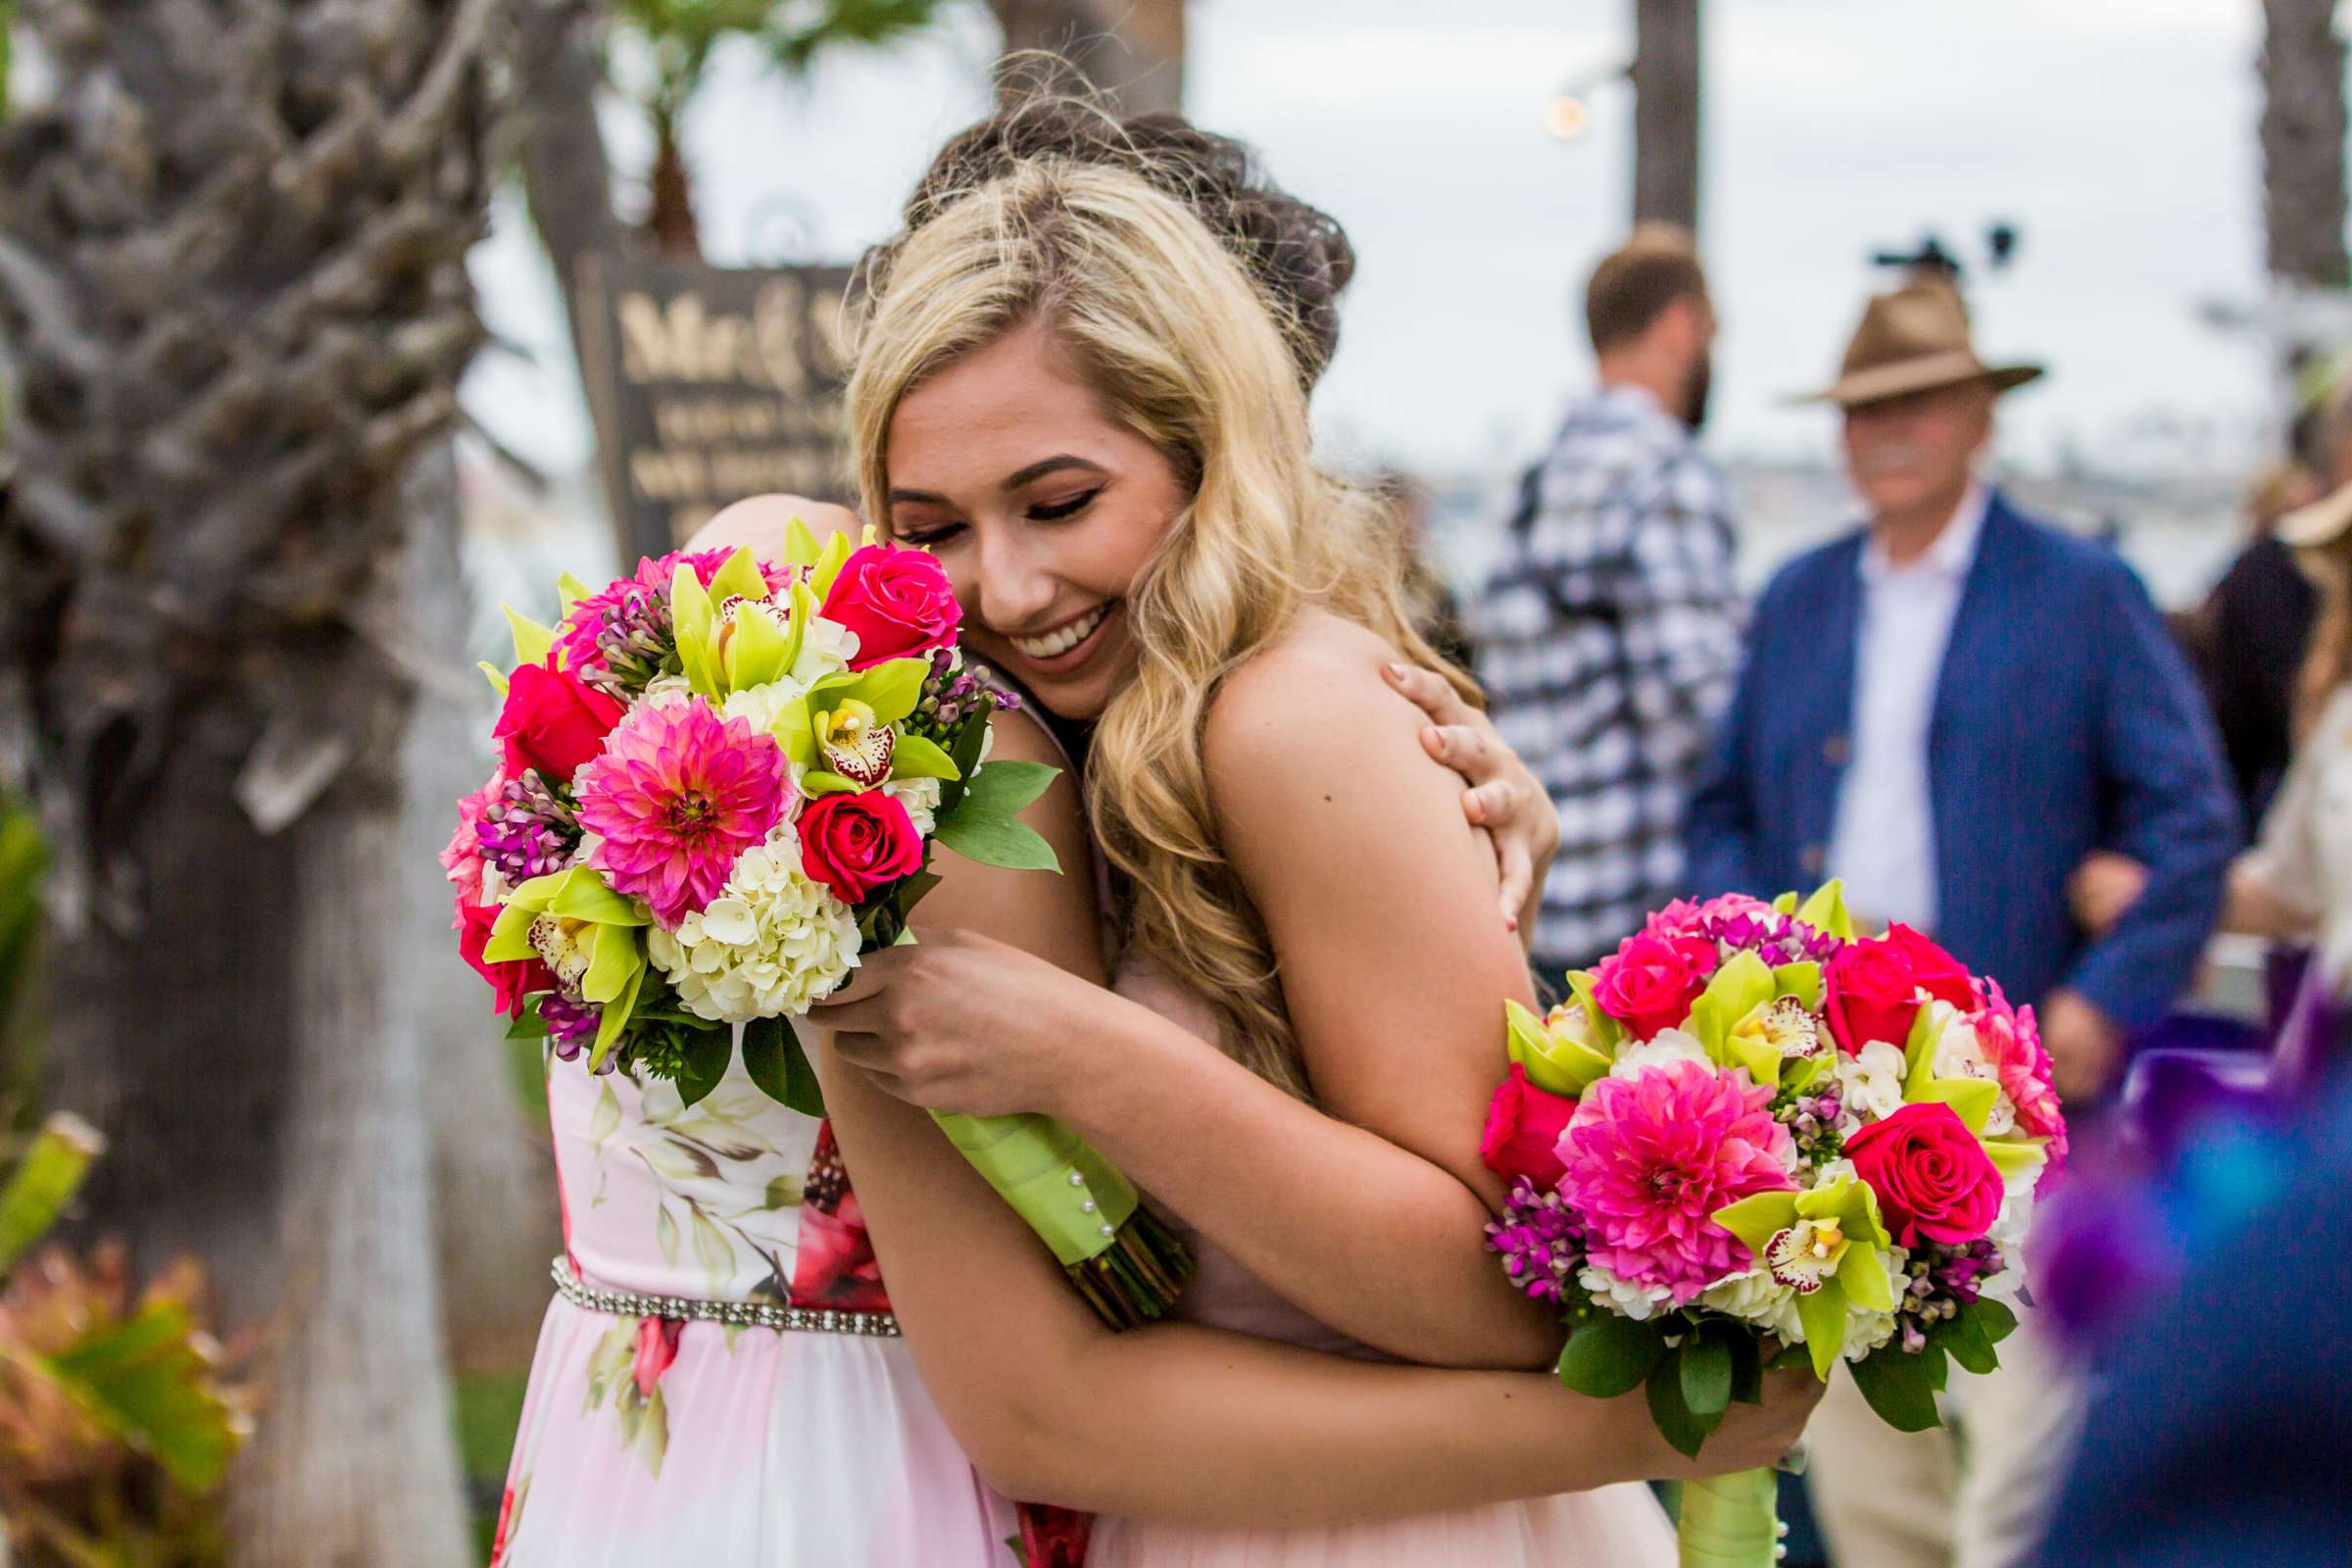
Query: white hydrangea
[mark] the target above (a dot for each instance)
(1959, 1053)
(762, 706)
(1870, 1086)
(1865, 1332)
(773, 942)
(665, 691)
(1755, 1297)
(1636, 1302)
(921, 796)
(1662, 1050)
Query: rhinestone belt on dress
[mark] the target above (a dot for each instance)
(740, 1314)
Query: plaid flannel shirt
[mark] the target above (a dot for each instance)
(1609, 638)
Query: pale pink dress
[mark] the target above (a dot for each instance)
(1615, 1527)
(647, 1444)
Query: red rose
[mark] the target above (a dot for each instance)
(899, 602)
(1870, 993)
(1933, 1179)
(856, 843)
(1935, 971)
(513, 979)
(656, 1347)
(1523, 1131)
(553, 721)
(1651, 982)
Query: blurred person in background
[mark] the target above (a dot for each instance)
(2253, 632)
(1608, 632)
(1999, 700)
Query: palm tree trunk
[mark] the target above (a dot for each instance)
(2303, 142)
(233, 280)
(495, 1223)
(669, 222)
(1666, 104)
(1131, 51)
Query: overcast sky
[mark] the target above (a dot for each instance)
(2119, 135)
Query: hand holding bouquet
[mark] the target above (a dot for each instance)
(1749, 1126)
(722, 781)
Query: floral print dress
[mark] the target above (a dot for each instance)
(653, 1442)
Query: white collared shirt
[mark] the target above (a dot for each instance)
(1884, 841)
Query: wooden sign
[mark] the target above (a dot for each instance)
(709, 384)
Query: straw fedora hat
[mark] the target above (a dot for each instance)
(2319, 522)
(1914, 339)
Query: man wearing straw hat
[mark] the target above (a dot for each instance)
(1951, 708)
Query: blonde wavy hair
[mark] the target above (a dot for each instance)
(1167, 329)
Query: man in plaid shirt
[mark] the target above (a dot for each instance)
(1608, 636)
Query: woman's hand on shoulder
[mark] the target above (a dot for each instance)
(761, 521)
(1501, 796)
(963, 1022)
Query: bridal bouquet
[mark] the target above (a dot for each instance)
(720, 781)
(1751, 1125)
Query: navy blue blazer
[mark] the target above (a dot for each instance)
(2066, 720)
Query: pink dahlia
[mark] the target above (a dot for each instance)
(1651, 1157)
(462, 859)
(678, 794)
(2011, 1041)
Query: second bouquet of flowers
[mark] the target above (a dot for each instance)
(1750, 1126)
(720, 782)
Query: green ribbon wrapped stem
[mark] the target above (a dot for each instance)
(1730, 1521)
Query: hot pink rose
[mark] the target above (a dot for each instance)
(553, 721)
(1933, 1179)
(1523, 1131)
(856, 843)
(656, 1347)
(899, 602)
(1651, 982)
(513, 979)
(1870, 993)
(1933, 970)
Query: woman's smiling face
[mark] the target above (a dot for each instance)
(1040, 507)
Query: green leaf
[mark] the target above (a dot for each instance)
(1901, 1386)
(145, 1382)
(1747, 1367)
(1706, 1375)
(707, 1051)
(528, 1025)
(1004, 789)
(1608, 1355)
(44, 1183)
(914, 757)
(1683, 1427)
(1010, 843)
(773, 1058)
(964, 753)
(1790, 1357)
(1964, 1336)
(1995, 1318)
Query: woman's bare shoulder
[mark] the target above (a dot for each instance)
(761, 521)
(1319, 679)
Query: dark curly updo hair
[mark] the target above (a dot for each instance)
(1297, 256)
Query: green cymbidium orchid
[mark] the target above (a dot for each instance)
(1828, 1246)
(1740, 1020)
(590, 918)
(1558, 1062)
